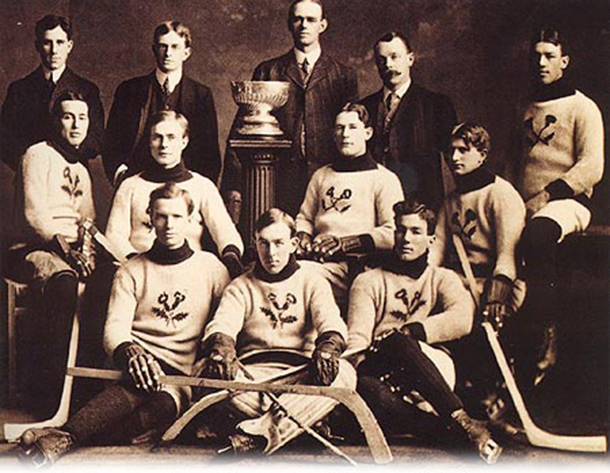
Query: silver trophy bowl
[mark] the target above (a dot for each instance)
(257, 99)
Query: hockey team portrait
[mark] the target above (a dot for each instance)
(304, 233)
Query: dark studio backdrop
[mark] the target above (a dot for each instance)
(475, 51)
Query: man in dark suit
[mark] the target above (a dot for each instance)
(137, 100)
(26, 117)
(412, 124)
(319, 87)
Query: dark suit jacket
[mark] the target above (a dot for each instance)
(26, 117)
(127, 139)
(420, 129)
(330, 85)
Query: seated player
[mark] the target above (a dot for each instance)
(408, 310)
(129, 225)
(287, 311)
(347, 209)
(161, 301)
(488, 215)
(53, 196)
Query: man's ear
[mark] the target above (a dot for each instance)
(411, 58)
(187, 53)
(294, 241)
(323, 25)
(368, 132)
(185, 141)
(565, 61)
(484, 153)
(70, 46)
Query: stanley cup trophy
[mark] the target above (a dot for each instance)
(258, 143)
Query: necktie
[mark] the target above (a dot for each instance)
(165, 88)
(50, 85)
(306, 67)
(391, 104)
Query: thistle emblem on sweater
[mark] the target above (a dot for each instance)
(544, 135)
(411, 306)
(466, 227)
(338, 202)
(168, 310)
(276, 312)
(71, 184)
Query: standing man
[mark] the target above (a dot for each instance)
(319, 87)
(26, 113)
(412, 124)
(137, 100)
(562, 159)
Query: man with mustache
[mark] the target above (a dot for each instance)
(319, 87)
(26, 112)
(412, 124)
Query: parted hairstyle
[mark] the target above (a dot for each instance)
(412, 205)
(170, 191)
(550, 34)
(169, 115)
(361, 110)
(180, 28)
(296, 2)
(275, 215)
(473, 134)
(56, 110)
(389, 36)
(50, 22)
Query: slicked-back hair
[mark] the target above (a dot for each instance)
(170, 191)
(296, 2)
(177, 26)
(549, 34)
(389, 36)
(50, 22)
(275, 215)
(413, 206)
(473, 134)
(361, 110)
(170, 115)
(56, 111)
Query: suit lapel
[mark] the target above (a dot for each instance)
(320, 71)
(404, 105)
(292, 70)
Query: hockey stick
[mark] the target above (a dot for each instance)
(535, 435)
(104, 242)
(308, 430)
(13, 431)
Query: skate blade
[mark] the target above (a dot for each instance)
(490, 452)
(33, 456)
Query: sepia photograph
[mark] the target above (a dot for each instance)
(242, 234)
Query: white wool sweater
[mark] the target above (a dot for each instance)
(351, 203)
(52, 195)
(129, 225)
(288, 314)
(564, 139)
(381, 300)
(164, 307)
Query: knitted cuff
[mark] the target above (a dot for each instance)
(218, 341)
(231, 249)
(559, 189)
(499, 289)
(332, 342)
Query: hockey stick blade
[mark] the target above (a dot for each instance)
(535, 435)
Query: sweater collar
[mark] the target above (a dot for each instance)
(157, 173)
(289, 270)
(161, 254)
(414, 269)
(556, 90)
(474, 180)
(70, 153)
(361, 163)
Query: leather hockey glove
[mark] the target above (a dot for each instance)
(77, 260)
(497, 297)
(221, 360)
(231, 259)
(305, 248)
(324, 366)
(143, 368)
(328, 246)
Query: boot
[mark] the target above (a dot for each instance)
(43, 447)
(477, 434)
(548, 354)
(244, 443)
